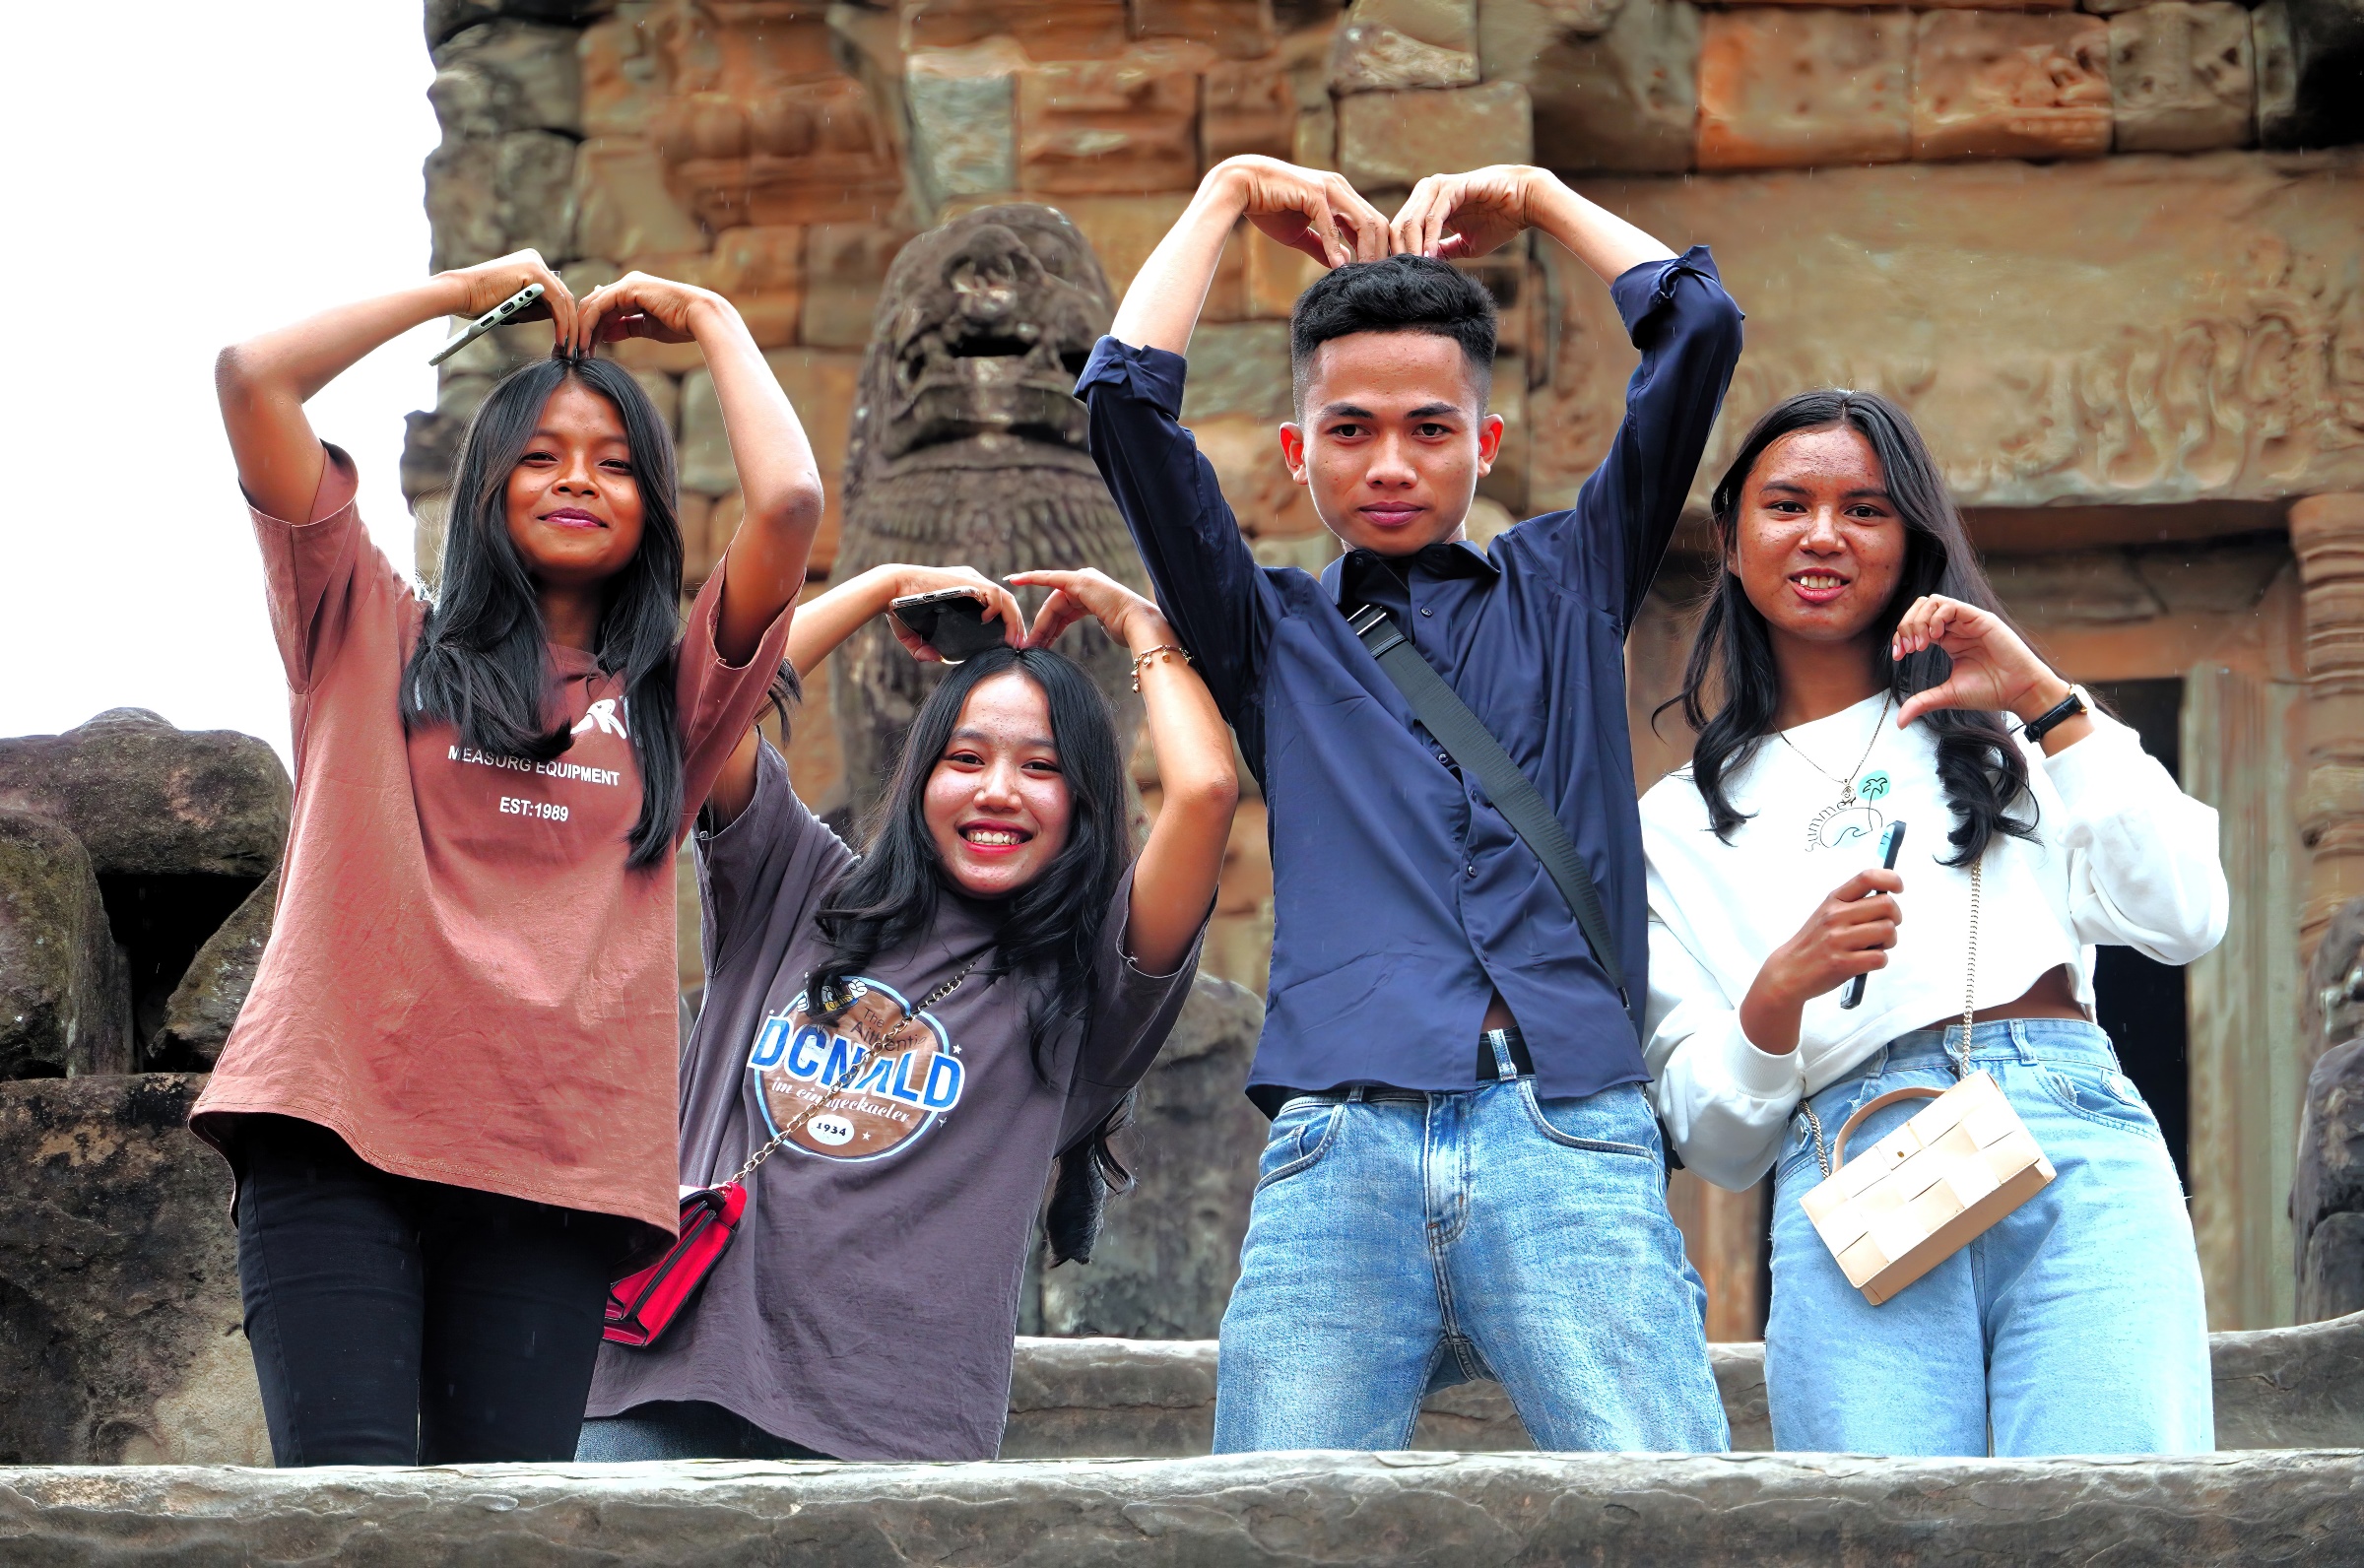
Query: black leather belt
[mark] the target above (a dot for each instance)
(1488, 1071)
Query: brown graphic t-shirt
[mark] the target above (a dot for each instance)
(464, 982)
(867, 1307)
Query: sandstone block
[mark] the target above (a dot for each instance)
(119, 1318)
(1786, 88)
(963, 108)
(508, 76)
(622, 72)
(1613, 86)
(1275, 275)
(1122, 229)
(487, 196)
(1246, 107)
(1238, 30)
(823, 386)
(1239, 368)
(1389, 141)
(1388, 45)
(201, 1008)
(665, 393)
(1999, 84)
(701, 549)
(2277, 75)
(2081, 332)
(761, 270)
(1047, 29)
(1122, 125)
(64, 1002)
(1381, 1510)
(1168, 1250)
(845, 263)
(2181, 77)
(704, 454)
(149, 800)
(1245, 451)
(624, 207)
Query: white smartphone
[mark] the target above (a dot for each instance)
(499, 313)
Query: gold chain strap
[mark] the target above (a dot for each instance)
(874, 1042)
(1969, 1013)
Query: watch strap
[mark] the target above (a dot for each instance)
(2061, 712)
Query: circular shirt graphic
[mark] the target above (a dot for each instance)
(865, 1104)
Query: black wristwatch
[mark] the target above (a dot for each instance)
(2068, 707)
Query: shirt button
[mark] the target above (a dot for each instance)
(1472, 867)
(1428, 612)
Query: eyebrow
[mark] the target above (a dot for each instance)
(1426, 410)
(1040, 742)
(1871, 493)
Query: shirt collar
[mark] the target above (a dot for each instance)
(1345, 578)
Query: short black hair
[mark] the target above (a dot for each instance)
(1401, 293)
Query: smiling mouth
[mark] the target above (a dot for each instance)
(985, 837)
(1817, 587)
(572, 518)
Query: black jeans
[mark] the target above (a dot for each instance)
(405, 1322)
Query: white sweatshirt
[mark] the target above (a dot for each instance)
(2121, 855)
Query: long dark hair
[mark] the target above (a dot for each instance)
(482, 661)
(1982, 771)
(1047, 933)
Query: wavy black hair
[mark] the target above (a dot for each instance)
(1400, 294)
(483, 660)
(1982, 769)
(1047, 933)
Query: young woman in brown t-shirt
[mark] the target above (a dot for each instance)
(450, 1098)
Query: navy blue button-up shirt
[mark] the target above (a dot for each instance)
(1403, 900)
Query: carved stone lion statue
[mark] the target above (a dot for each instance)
(968, 449)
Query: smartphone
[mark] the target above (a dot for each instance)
(952, 621)
(1890, 842)
(499, 313)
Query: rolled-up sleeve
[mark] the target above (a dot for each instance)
(1689, 331)
(1208, 582)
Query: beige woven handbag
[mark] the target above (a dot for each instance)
(1922, 1193)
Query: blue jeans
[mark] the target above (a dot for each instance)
(680, 1429)
(2073, 1326)
(1402, 1242)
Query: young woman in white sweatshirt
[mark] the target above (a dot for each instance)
(1852, 670)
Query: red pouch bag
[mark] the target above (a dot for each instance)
(642, 1306)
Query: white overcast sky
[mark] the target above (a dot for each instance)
(181, 175)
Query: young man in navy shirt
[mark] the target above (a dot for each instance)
(1464, 1176)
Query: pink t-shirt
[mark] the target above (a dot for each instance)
(464, 982)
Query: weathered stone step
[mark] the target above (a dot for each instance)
(2275, 1388)
(1630, 1511)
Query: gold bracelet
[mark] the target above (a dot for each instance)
(1146, 654)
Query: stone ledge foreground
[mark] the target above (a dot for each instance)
(1641, 1509)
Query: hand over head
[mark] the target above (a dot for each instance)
(489, 283)
(1311, 210)
(637, 305)
(1000, 605)
(1089, 592)
(1457, 216)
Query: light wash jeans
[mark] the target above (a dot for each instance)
(680, 1429)
(1402, 1242)
(2075, 1326)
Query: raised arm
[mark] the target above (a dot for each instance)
(1305, 209)
(1174, 882)
(828, 620)
(264, 382)
(765, 564)
(1675, 310)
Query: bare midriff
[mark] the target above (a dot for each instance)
(2051, 997)
(1497, 1014)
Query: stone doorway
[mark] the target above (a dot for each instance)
(2139, 1001)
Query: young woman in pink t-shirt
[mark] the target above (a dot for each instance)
(450, 1098)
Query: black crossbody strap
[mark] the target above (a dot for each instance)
(1468, 741)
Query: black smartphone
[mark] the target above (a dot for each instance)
(485, 323)
(952, 621)
(1890, 842)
